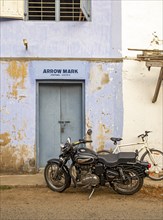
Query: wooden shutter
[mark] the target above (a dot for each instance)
(12, 9)
(85, 6)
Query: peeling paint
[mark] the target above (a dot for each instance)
(88, 123)
(105, 79)
(18, 72)
(98, 77)
(101, 137)
(107, 130)
(5, 139)
(19, 134)
(16, 159)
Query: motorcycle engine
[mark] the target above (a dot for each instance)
(90, 179)
(86, 177)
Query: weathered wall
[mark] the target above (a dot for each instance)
(98, 38)
(17, 113)
(139, 20)
(103, 106)
(104, 112)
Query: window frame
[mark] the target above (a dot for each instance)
(85, 15)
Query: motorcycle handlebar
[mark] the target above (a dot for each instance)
(84, 141)
(81, 141)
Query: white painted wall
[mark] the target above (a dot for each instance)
(139, 20)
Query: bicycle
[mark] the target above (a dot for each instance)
(151, 155)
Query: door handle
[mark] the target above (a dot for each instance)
(64, 122)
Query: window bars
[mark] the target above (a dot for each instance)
(58, 10)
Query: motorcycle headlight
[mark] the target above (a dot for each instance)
(66, 147)
(61, 159)
(62, 147)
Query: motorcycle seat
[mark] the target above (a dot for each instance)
(115, 159)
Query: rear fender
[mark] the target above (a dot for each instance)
(141, 168)
(144, 164)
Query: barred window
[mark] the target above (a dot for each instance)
(59, 10)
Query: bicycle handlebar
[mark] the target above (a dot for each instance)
(144, 135)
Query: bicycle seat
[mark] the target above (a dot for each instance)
(115, 139)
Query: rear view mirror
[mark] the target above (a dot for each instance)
(89, 132)
(69, 140)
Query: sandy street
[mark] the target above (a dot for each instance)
(44, 204)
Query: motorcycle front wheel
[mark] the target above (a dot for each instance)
(132, 183)
(56, 178)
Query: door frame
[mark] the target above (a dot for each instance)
(61, 82)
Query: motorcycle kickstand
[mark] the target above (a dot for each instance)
(93, 189)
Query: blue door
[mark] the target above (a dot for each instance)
(60, 109)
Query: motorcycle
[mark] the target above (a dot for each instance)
(124, 173)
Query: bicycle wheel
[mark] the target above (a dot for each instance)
(156, 170)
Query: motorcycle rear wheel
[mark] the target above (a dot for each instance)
(56, 178)
(132, 184)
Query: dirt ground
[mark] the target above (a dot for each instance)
(44, 204)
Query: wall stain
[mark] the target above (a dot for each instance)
(101, 137)
(5, 139)
(98, 77)
(105, 79)
(18, 72)
(19, 134)
(17, 159)
(106, 129)
(88, 123)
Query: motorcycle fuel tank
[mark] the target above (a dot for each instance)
(85, 156)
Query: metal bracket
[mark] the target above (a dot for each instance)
(63, 124)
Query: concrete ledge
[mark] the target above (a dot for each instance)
(23, 180)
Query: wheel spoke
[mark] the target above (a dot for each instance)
(156, 161)
(56, 178)
(130, 185)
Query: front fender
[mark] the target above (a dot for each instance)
(54, 160)
(57, 161)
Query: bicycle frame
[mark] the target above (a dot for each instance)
(119, 146)
(144, 153)
(144, 147)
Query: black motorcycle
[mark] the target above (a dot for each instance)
(123, 172)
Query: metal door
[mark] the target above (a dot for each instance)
(60, 109)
